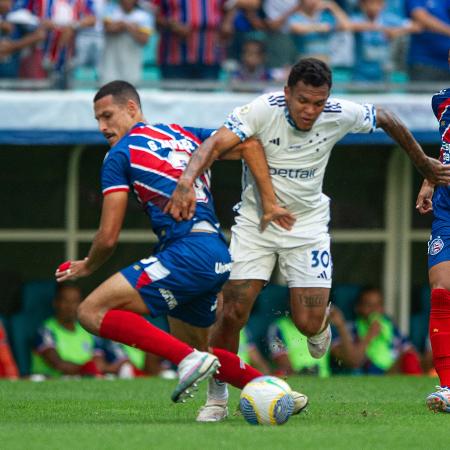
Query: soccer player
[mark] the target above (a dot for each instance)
(438, 201)
(298, 129)
(191, 262)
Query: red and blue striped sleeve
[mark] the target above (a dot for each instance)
(115, 173)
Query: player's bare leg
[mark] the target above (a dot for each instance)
(309, 310)
(196, 337)
(238, 299)
(114, 310)
(439, 401)
(114, 293)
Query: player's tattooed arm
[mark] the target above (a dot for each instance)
(252, 152)
(181, 205)
(430, 168)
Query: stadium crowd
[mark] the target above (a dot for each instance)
(247, 40)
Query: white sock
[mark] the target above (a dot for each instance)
(324, 326)
(217, 392)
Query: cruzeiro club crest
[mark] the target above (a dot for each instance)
(435, 246)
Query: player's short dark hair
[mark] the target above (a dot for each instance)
(121, 91)
(311, 71)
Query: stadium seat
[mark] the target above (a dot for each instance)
(37, 300)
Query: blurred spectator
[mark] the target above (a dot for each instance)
(374, 29)
(289, 351)
(313, 24)
(8, 367)
(63, 346)
(250, 353)
(248, 23)
(124, 361)
(89, 42)
(63, 19)
(372, 344)
(127, 30)
(281, 50)
(128, 362)
(428, 50)
(19, 30)
(193, 37)
(252, 65)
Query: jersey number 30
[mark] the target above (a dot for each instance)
(319, 257)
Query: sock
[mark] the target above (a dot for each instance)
(217, 393)
(233, 370)
(440, 333)
(132, 329)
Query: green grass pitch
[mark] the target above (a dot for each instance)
(344, 413)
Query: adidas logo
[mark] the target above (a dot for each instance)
(275, 141)
(323, 275)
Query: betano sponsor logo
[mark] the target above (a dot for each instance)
(304, 174)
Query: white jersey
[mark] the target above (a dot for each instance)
(297, 159)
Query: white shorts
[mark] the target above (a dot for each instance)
(303, 261)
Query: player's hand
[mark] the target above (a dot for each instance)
(279, 215)
(71, 270)
(436, 172)
(181, 205)
(337, 317)
(424, 202)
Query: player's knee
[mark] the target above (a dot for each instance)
(235, 315)
(308, 325)
(83, 313)
(237, 303)
(88, 316)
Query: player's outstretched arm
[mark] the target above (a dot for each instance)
(424, 202)
(252, 152)
(430, 168)
(181, 205)
(113, 213)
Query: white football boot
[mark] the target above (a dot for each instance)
(212, 413)
(439, 401)
(300, 402)
(319, 344)
(215, 409)
(194, 368)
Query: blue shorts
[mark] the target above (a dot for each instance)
(438, 248)
(183, 280)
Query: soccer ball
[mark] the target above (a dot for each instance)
(266, 401)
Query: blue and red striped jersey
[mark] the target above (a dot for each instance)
(441, 198)
(148, 161)
(202, 45)
(61, 12)
(441, 108)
